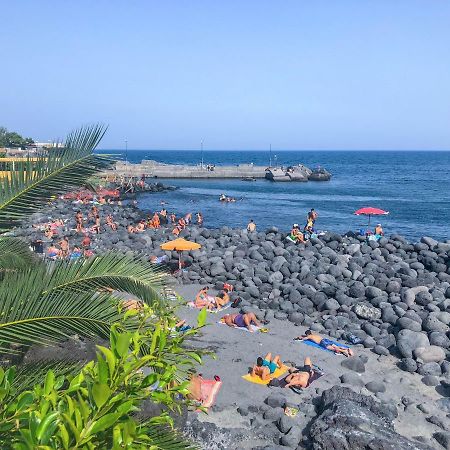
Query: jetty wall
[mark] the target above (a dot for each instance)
(154, 169)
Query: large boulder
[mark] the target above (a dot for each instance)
(348, 420)
(367, 312)
(432, 353)
(408, 341)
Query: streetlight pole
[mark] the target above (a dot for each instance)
(201, 146)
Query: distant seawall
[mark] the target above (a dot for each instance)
(154, 169)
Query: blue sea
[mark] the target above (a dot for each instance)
(413, 186)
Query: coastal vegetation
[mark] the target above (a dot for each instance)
(13, 139)
(72, 404)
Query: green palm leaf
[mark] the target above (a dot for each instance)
(36, 180)
(165, 438)
(29, 316)
(15, 254)
(114, 271)
(28, 375)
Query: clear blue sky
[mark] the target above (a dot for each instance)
(322, 74)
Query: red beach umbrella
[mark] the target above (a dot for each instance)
(369, 211)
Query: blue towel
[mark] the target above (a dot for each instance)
(313, 344)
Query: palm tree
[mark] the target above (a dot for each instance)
(44, 303)
(41, 303)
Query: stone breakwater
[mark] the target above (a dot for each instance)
(393, 295)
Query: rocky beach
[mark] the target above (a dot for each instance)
(388, 299)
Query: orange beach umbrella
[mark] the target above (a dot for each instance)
(180, 245)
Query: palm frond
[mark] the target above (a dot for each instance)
(36, 180)
(119, 272)
(161, 437)
(28, 375)
(15, 254)
(28, 316)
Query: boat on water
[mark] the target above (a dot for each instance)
(248, 179)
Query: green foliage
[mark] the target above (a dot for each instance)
(13, 139)
(96, 408)
(61, 405)
(45, 304)
(29, 187)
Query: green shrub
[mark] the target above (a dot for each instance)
(95, 408)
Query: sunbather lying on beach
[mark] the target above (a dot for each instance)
(325, 343)
(300, 377)
(266, 366)
(241, 320)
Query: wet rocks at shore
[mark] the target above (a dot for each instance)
(392, 296)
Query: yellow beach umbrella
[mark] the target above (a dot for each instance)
(180, 245)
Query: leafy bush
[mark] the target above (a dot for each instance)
(95, 408)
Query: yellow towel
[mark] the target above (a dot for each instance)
(278, 373)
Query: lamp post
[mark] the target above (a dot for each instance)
(201, 146)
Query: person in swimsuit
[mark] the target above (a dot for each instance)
(241, 321)
(79, 221)
(301, 377)
(203, 300)
(324, 343)
(265, 367)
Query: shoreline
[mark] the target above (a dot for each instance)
(391, 294)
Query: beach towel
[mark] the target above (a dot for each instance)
(209, 389)
(212, 311)
(313, 344)
(277, 374)
(253, 327)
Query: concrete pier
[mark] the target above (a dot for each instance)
(154, 169)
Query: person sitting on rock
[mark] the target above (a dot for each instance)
(156, 221)
(140, 227)
(176, 231)
(110, 222)
(379, 230)
(241, 320)
(64, 246)
(265, 367)
(251, 227)
(324, 343)
(53, 252)
(131, 229)
(302, 376)
(296, 234)
(173, 218)
(199, 219)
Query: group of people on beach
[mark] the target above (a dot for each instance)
(93, 223)
(299, 236)
(265, 367)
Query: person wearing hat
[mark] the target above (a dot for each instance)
(296, 234)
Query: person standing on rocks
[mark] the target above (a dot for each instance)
(312, 216)
(199, 219)
(251, 227)
(79, 221)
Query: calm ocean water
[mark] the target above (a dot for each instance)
(413, 186)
